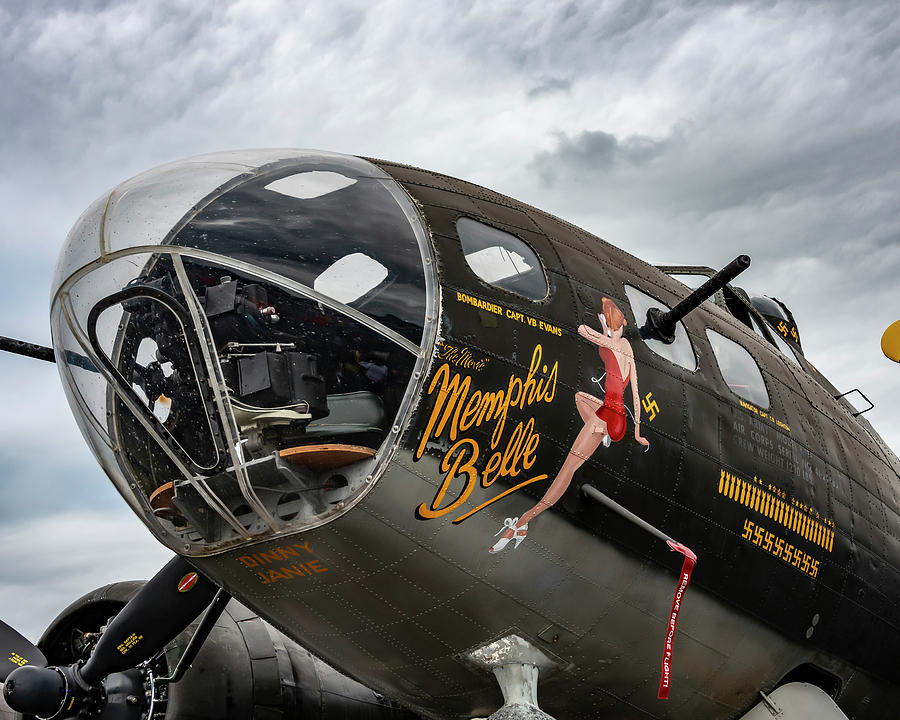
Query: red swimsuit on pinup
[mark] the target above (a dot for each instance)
(613, 410)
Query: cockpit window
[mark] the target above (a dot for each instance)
(680, 352)
(692, 280)
(767, 306)
(502, 259)
(739, 369)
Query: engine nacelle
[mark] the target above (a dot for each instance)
(245, 670)
(796, 701)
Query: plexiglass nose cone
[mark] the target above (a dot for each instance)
(238, 336)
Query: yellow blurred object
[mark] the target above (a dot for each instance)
(890, 342)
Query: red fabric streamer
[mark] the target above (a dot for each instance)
(687, 568)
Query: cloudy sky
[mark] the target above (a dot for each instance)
(684, 133)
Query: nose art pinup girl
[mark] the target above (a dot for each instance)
(604, 420)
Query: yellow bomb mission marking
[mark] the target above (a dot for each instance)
(455, 407)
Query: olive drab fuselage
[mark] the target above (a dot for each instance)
(791, 506)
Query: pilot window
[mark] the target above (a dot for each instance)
(739, 369)
(758, 329)
(680, 352)
(786, 350)
(692, 280)
(502, 259)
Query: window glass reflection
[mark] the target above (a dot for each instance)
(692, 280)
(502, 259)
(739, 369)
(756, 328)
(350, 278)
(145, 343)
(301, 224)
(680, 352)
(786, 350)
(309, 185)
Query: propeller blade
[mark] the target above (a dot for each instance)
(16, 651)
(165, 606)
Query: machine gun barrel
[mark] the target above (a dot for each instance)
(661, 325)
(41, 352)
(20, 347)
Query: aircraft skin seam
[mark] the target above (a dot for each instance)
(447, 559)
(278, 625)
(723, 316)
(587, 248)
(407, 587)
(598, 464)
(652, 559)
(510, 297)
(664, 368)
(478, 215)
(363, 573)
(440, 601)
(679, 477)
(368, 626)
(850, 426)
(868, 497)
(700, 451)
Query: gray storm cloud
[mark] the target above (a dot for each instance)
(682, 132)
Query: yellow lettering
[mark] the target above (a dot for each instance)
(455, 390)
(460, 466)
(470, 414)
(493, 464)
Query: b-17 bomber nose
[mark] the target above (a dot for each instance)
(240, 335)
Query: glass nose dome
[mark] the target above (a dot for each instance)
(238, 336)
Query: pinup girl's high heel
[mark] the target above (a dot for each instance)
(518, 535)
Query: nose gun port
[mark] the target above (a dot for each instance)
(252, 371)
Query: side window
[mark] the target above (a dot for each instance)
(780, 344)
(502, 259)
(785, 348)
(680, 352)
(758, 329)
(739, 369)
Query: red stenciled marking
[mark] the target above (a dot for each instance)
(687, 568)
(187, 582)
